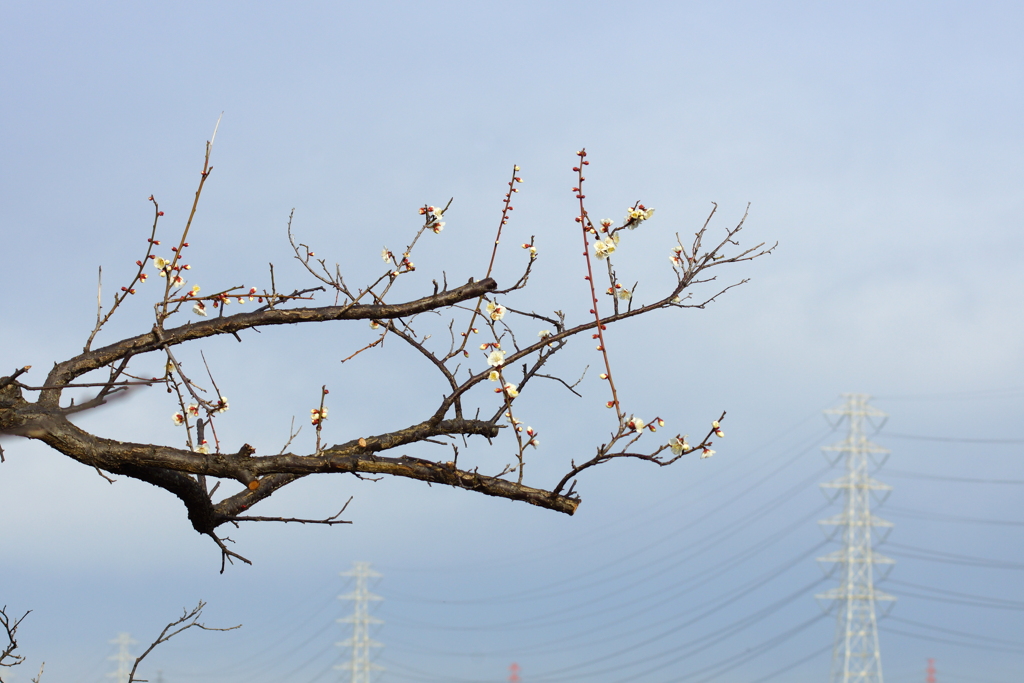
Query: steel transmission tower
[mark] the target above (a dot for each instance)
(359, 667)
(123, 658)
(855, 655)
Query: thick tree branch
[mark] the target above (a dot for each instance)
(65, 372)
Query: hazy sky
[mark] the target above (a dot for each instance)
(879, 144)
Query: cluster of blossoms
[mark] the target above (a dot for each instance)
(510, 389)
(193, 408)
(433, 218)
(317, 415)
(200, 308)
(518, 424)
(678, 256)
(495, 310)
(636, 215)
(604, 248)
(638, 425)
(405, 265)
(620, 291)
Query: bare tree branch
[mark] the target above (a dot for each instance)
(189, 619)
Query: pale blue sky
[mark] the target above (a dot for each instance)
(878, 143)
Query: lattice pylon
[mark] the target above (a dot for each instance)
(856, 656)
(359, 666)
(123, 658)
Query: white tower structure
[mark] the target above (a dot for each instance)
(123, 658)
(358, 666)
(855, 656)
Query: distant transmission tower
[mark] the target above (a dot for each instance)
(855, 655)
(359, 666)
(123, 658)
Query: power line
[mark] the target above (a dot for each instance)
(949, 631)
(950, 439)
(952, 558)
(939, 477)
(942, 517)
(943, 595)
(950, 641)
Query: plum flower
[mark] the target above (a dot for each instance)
(318, 415)
(199, 308)
(178, 418)
(222, 405)
(511, 390)
(203, 448)
(433, 218)
(636, 424)
(678, 445)
(496, 358)
(495, 310)
(604, 248)
(493, 375)
(707, 453)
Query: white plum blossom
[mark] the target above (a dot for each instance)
(495, 310)
(707, 453)
(511, 390)
(678, 445)
(493, 375)
(544, 334)
(199, 309)
(203, 448)
(496, 358)
(636, 424)
(178, 418)
(604, 248)
(318, 415)
(433, 215)
(222, 405)
(386, 255)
